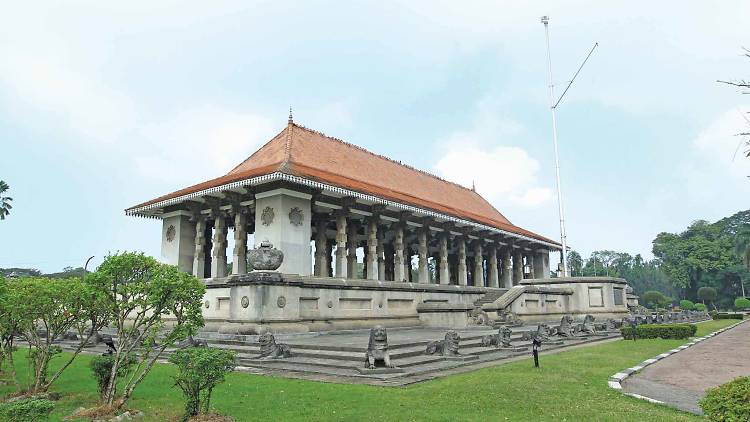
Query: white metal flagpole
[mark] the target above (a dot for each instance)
(565, 273)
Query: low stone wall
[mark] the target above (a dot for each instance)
(549, 299)
(286, 303)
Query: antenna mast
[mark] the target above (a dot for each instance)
(564, 252)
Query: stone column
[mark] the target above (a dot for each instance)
(219, 252)
(462, 275)
(399, 273)
(492, 267)
(372, 248)
(507, 280)
(321, 247)
(443, 268)
(239, 255)
(381, 255)
(407, 263)
(424, 271)
(329, 252)
(352, 250)
(199, 260)
(478, 264)
(341, 239)
(530, 262)
(541, 264)
(517, 266)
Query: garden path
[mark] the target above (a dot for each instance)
(682, 379)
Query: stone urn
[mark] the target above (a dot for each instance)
(265, 257)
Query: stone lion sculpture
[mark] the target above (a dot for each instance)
(269, 349)
(377, 349)
(542, 333)
(446, 347)
(501, 339)
(588, 324)
(566, 328)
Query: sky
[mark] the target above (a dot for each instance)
(104, 105)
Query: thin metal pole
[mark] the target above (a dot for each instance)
(545, 21)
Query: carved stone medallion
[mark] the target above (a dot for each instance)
(267, 216)
(245, 302)
(206, 304)
(296, 216)
(171, 231)
(281, 301)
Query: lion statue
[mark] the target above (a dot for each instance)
(501, 339)
(269, 349)
(377, 349)
(588, 325)
(446, 347)
(543, 332)
(566, 328)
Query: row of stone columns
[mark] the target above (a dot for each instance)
(504, 267)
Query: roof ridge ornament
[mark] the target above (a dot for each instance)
(291, 119)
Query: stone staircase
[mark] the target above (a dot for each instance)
(342, 356)
(490, 297)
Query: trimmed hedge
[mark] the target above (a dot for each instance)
(667, 331)
(27, 410)
(728, 402)
(727, 316)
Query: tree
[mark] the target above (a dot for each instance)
(47, 309)
(707, 294)
(575, 263)
(199, 370)
(742, 303)
(151, 306)
(686, 257)
(742, 248)
(745, 84)
(5, 201)
(687, 305)
(653, 299)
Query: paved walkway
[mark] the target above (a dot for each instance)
(682, 379)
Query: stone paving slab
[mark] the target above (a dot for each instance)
(681, 377)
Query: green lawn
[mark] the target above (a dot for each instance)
(570, 386)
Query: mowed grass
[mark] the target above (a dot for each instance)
(569, 386)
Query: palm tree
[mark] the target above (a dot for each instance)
(4, 200)
(742, 249)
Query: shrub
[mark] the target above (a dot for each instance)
(687, 305)
(101, 366)
(700, 307)
(28, 410)
(654, 299)
(742, 303)
(728, 402)
(726, 316)
(707, 294)
(199, 370)
(671, 331)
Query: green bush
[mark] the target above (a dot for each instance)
(101, 366)
(727, 316)
(742, 303)
(28, 410)
(700, 307)
(671, 331)
(199, 370)
(728, 402)
(687, 305)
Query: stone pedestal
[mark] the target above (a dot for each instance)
(282, 216)
(178, 241)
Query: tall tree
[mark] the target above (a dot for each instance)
(5, 201)
(742, 249)
(575, 263)
(686, 257)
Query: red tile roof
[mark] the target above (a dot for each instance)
(306, 153)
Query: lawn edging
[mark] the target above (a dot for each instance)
(615, 381)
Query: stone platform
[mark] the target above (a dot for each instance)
(339, 356)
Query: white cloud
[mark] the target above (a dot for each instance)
(501, 173)
(718, 147)
(200, 143)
